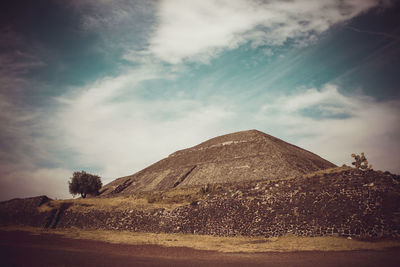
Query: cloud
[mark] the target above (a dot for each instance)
(52, 182)
(199, 30)
(338, 126)
(16, 60)
(16, 136)
(175, 31)
(20, 122)
(26, 143)
(128, 21)
(110, 127)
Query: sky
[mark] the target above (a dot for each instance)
(112, 86)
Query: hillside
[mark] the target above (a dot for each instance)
(237, 157)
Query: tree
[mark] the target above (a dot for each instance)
(84, 183)
(361, 162)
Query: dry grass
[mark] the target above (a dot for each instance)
(286, 243)
(105, 204)
(146, 200)
(327, 171)
(319, 173)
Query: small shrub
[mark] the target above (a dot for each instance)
(361, 162)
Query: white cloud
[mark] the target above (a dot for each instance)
(178, 30)
(124, 136)
(199, 30)
(368, 125)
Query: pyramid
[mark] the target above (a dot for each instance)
(237, 157)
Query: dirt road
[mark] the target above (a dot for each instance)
(23, 249)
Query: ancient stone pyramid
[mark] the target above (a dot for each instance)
(241, 156)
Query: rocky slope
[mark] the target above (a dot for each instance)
(341, 201)
(237, 157)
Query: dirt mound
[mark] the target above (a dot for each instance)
(237, 157)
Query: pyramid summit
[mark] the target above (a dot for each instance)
(231, 158)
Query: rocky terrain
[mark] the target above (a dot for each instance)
(339, 202)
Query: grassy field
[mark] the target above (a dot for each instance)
(286, 243)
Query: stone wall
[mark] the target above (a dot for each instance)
(350, 203)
